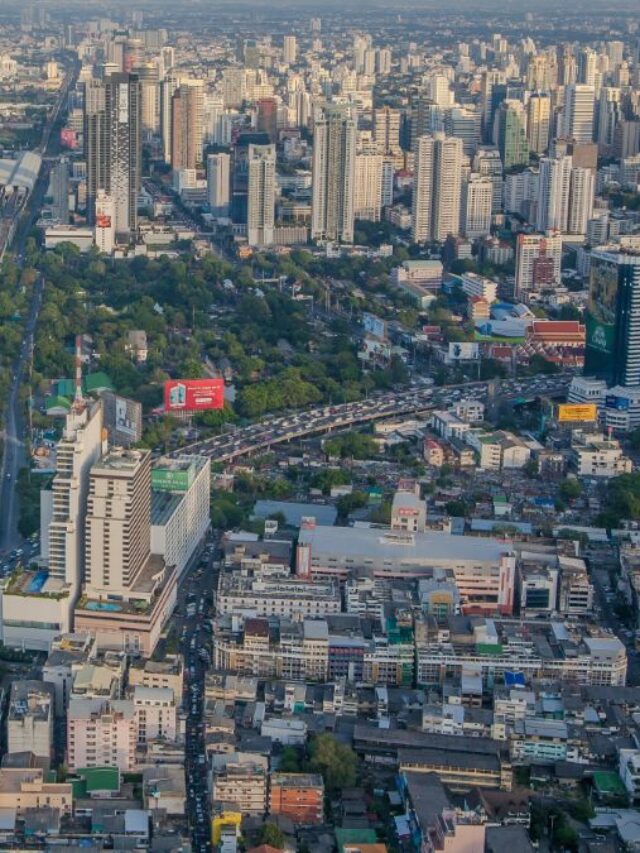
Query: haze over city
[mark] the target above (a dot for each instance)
(319, 426)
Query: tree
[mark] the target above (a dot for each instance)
(273, 836)
(290, 760)
(570, 488)
(334, 760)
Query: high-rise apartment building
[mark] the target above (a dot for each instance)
(168, 88)
(581, 198)
(538, 122)
(149, 98)
(577, 113)
(334, 160)
(218, 183)
(613, 317)
(475, 206)
(187, 105)
(436, 188)
(386, 130)
(487, 163)
(290, 50)
(538, 261)
(553, 193)
(261, 192)
(367, 201)
(267, 118)
(113, 146)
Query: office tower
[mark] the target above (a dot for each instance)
(488, 81)
(59, 191)
(290, 50)
(538, 119)
(626, 138)
(538, 77)
(77, 450)
(386, 130)
(149, 100)
(218, 183)
(609, 114)
(105, 228)
(587, 67)
(240, 173)
(553, 194)
(234, 87)
(427, 117)
(334, 156)
(511, 136)
(538, 261)
(577, 113)
(615, 52)
(168, 87)
(113, 147)
(212, 119)
(465, 123)
(261, 194)
(267, 118)
(117, 527)
(383, 61)
(187, 106)
(367, 195)
(487, 163)
(580, 200)
(167, 60)
(613, 317)
(567, 66)
(475, 206)
(436, 188)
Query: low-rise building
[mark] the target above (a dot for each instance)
(101, 734)
(30, 718)
(298, 796)
(597, 456)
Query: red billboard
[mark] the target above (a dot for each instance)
(68, 137)
(193, 395)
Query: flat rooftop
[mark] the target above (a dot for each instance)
(381, 545)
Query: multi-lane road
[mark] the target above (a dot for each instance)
(279, 429)
(13, 457)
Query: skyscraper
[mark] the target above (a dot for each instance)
(149, 98)
(538, 118)
(577, 113)
(261, 193)
(187, 106)
(580, 200)
(290, 50)
(334, 153)
(113, 147)
(553, 194)
(168, 88)
(386, 130)
(475, 206)
(118, 529)
(367, 202)
(218, 183)
(436, 188)
(511, 134)
(267, 118)
(59, 190)
(613, 317)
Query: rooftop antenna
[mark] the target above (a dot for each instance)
(78, 395)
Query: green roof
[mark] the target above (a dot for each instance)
(65, 388)
(100, 778)
(97, 382)
(398, 634)
(608, 782)
(57, 402)
(347, 837)
(494, 649)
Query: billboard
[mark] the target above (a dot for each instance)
(612, 401)
(374, 326)
(167, 479)
(68, 138)
(122, 418)
(193, 395)
(103, 220)
(578, 412)
(463, 351)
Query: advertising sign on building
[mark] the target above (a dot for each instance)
(193, 395)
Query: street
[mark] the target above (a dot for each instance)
(14, 427)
